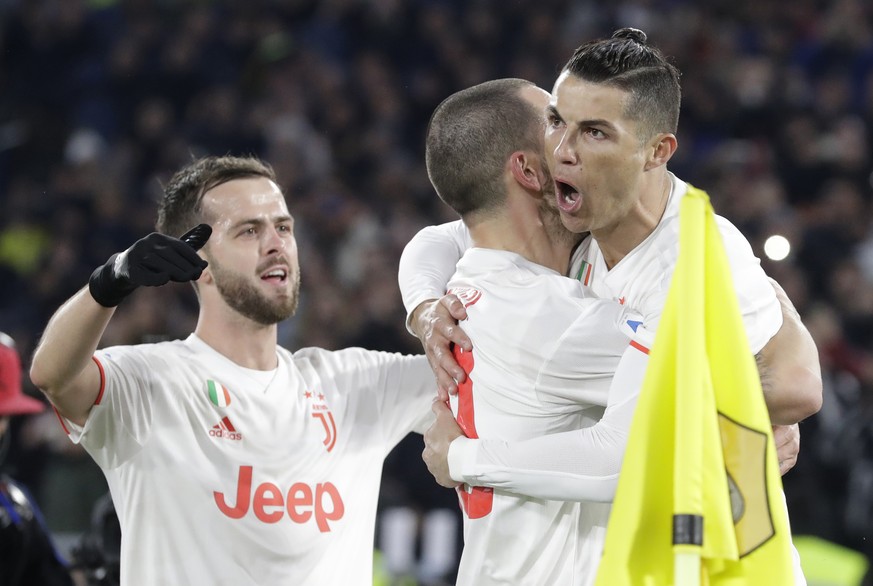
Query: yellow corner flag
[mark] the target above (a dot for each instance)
(700, 479)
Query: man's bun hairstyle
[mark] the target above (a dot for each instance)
(631, 34)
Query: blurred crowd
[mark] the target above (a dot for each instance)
(101, 100)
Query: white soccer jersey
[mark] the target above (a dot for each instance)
(223, 475)
(542, 363)
(642, 278)
(640, 281)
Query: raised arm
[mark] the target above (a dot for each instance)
(62, 366)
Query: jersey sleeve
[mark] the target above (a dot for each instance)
(400, 387)
(586, 354)
(428, 262)
(760, 308)
(579, 465)
(120, 421)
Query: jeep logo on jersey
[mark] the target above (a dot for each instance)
(218, 394)
(321, 411)
(269, 503)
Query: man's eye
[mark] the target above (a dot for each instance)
(594, 132)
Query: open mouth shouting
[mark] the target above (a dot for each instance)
(567, 196)
(275, 275)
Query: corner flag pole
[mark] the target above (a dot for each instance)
(691, 384)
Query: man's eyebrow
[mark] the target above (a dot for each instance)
(551, 110)
(247, 222)
(260, 221)
(596, 122)
(283, 218)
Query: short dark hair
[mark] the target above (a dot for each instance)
(180, 207)
(628, 62)
(470, 137)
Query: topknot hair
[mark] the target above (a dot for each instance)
(632, 34)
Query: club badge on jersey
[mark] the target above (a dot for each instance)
(321, 411)
(468, 295)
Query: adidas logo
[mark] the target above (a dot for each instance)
(225, 429)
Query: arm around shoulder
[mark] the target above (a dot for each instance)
(428, 262)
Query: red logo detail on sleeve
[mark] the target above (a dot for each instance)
(477, 500)
(269, 503)
(467, 295)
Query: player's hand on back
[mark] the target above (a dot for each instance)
(151, 261)
(787, 440)
(437, 439)
(435, 323)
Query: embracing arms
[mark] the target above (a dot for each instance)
(788, 362)
(578, 465)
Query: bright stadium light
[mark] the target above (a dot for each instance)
(777, 247)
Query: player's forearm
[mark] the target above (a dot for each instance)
(552, 467)
(791, 374)
(66, 348)
(578, 465)
(428, 262)
(789, 368)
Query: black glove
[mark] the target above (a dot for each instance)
(151, 261)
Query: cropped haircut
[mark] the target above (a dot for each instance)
(470, 137)
(180, 207)
(627, 62)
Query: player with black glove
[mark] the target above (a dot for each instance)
(151, 261)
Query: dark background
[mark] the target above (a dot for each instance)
(101, 100)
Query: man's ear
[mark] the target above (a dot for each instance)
(527, 170)
(661, 149)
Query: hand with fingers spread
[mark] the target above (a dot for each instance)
(787, 440)
(151, 261)
(437, 439)
(435, 323)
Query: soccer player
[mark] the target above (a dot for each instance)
(610, 132)
(547, 355)
(230, 460)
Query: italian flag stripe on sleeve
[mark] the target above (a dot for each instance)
(218, 394)
(584, 273)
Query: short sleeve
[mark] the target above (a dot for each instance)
(119, 423)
